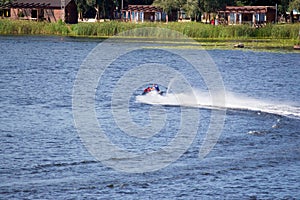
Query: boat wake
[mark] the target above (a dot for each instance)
(232, 102)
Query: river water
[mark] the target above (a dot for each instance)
(43, 156)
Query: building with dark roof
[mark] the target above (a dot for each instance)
(136, 13)
(49, 10)
(249, 14)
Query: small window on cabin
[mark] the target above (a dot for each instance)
(232, 18)
(34, 14)
(6, 13)
(262, 17)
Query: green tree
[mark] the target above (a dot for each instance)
(294, 5)
(84, 7)
(3, 2)
(139, 2)
(103, 8)
(241, 3)
(167, 6)
(214, 5)
(191, 8)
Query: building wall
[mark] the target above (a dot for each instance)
(71, 13)
(14, 13)
(149, 16)
(57, 15)
(254, 15)
(271, 15)
(50, 14)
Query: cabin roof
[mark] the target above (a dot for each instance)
(249, 9)
(143, 8)
(36, 3)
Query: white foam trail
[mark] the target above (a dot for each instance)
(170, 83)
(233, 101)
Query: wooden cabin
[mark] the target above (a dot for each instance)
(141, 13)
(48, 10)
(254, 15)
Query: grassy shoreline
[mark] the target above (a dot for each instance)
(283, 36)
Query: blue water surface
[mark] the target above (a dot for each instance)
(42, 156)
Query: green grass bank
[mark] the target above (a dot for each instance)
(279, 35)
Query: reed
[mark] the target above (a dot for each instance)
(25, 27)
(191, 29)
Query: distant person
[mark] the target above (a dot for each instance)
(148, 89)
(216, 22)
(155, 86)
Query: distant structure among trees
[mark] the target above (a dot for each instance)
(141, 13)
(42, 10)
(221, 11)
(254, 15)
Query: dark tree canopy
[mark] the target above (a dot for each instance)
(107, 7)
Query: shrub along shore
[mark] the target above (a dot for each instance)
(270, 36)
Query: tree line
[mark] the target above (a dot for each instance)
(110, 8)
(107, 8)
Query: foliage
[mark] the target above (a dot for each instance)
(295, 4)
(167, 5)
(283, 6)
(191, 29)
(84, 6)
(3, 2)
(213, 5)
(191, 7)
(106, 8)
(22, 27)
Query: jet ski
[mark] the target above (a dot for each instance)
(152, 89)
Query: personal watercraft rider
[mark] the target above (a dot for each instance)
(154, 87)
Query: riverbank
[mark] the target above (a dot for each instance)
(270, 37)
